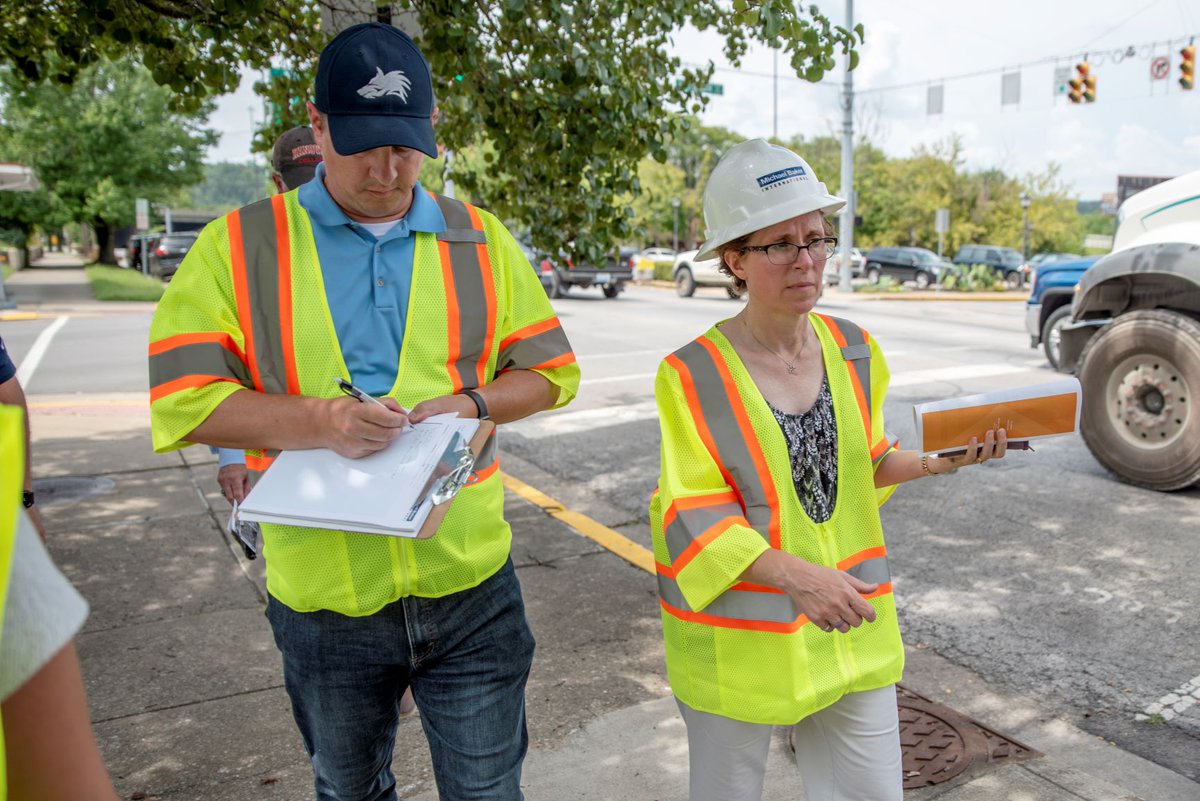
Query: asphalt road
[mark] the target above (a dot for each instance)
(1040, 572)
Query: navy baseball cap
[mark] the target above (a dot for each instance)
(374, 87)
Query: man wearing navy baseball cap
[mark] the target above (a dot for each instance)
(427, 304)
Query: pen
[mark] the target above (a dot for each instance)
(358, 394)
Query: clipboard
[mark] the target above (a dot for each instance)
(434, 521)
(320, 489)
(1027, 413)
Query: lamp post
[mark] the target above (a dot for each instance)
(675, 230)
(1026, 202)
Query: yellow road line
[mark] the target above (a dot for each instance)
(619, 544)
(17, 315)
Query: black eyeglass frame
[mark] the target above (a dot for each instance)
(830, 243)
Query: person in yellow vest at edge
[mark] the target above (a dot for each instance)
(47, 750)
(773, 581)
(427, 303)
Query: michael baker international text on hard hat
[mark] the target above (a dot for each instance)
(756, 185)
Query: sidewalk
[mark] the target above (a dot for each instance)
(184, 682)
(56, 284)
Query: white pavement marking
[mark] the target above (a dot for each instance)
(587, 357)
(914, 378)
(590, 419)
(615, 379)
(1175, 703)
(34, 357)
(586, 420)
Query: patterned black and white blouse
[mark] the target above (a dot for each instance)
(812, 445)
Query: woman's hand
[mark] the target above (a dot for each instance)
(994, 446)
(831, 599)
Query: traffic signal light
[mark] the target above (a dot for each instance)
(1187, 67)
(1083, 85)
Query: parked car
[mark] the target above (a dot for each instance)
(167, 252)
(921, 266)
(833, 267)
(1007, 262)
(1048, 309)
(659, 254)
(688, 273)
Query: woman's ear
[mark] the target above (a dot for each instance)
(733, 260)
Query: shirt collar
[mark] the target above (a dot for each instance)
(423, 215)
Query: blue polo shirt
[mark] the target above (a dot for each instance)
(367, 280)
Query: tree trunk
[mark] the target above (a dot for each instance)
(104, 241)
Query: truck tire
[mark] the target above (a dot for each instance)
(1051, 333)
(612, 290)
(685, 285)
(1141, 392)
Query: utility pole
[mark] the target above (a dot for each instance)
(846, 235)
(775, 104)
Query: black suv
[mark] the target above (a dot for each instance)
(168, 252)
(924, 267)
(1007, 262)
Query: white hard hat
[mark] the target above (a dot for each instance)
(756, 185)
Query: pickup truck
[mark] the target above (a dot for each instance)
(1134, 341)
(559, 274)
(1048, 308)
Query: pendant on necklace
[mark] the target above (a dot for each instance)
(791, 369)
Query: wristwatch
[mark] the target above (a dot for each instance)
(27, 498)
(480, 406)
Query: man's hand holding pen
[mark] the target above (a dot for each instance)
(359, 424)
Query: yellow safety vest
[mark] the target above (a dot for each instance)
(12, 470)
(725, 495)
(247, 310)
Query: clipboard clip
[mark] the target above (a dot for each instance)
(245, 533)
(448, 485)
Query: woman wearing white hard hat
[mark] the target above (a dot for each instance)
(773, 578)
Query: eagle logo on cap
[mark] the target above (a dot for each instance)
(387, 83)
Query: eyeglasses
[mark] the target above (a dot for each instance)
(783, 254)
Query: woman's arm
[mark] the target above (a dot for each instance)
(48, 737)
(900, 466)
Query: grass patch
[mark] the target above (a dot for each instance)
(887, 284)
(115, 283)
(7, 270)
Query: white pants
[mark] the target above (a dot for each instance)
(849, 751)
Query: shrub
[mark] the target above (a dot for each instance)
(973, 278)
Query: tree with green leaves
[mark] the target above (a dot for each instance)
(102, 142)
(569, 96)
(228, 185)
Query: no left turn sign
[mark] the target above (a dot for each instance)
(1160, 67)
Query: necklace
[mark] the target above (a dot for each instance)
(791, 366)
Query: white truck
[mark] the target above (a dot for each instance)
(1134, 341)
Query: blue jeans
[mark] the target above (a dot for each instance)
(467, 657)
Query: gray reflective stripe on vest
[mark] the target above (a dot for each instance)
(463, 240)
(771, 607)
(872, 571)
(534, 350)
(857, 354)
(733, 452)
(691, 523)
(262, 283)
(199, 358)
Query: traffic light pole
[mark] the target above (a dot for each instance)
(846, 234)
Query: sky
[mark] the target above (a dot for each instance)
(1137, 126)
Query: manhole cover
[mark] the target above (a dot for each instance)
(62, 491)
(939, 744)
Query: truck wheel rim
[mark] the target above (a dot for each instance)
(1148, 401)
